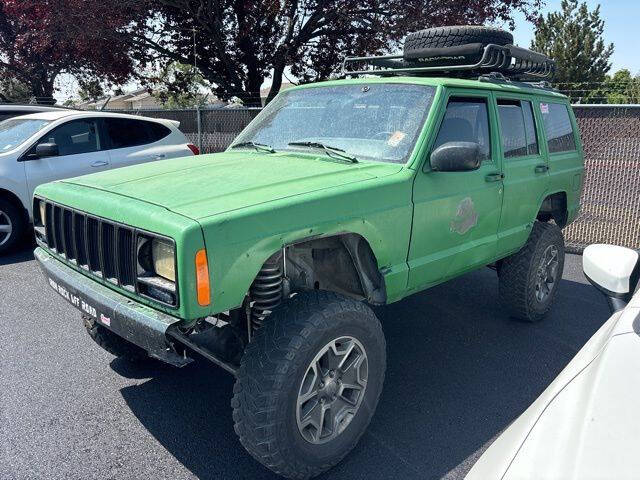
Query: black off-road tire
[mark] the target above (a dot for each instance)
(112, 343)
(517, 274)
(441, 37)
(273, 366)
(18, 225)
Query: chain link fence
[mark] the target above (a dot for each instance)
(610, 134)
(610, 211)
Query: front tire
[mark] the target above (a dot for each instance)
(12, 225)
(528, 279)
(309, 383)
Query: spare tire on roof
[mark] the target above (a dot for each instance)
(452, 45)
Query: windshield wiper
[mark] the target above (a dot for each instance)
(331, 151)
(260, 147)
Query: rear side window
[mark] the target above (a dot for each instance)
(74, 138)
(557, 125)
(157, 131)
(517, 128)
(125, 132)
(466, 120)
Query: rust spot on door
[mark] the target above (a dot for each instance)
(466, 217)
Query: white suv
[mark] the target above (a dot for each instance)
(43, 147)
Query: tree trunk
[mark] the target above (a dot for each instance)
(278, 71)
(42, 88)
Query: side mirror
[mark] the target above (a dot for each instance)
(614, 271)
(456, 157)
(47, 150)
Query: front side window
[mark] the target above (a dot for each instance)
(14, 132)
(558, 127)
(517, 128)
(74, 138)
(378, 122)
(466, 120)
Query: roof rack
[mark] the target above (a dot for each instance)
(513, 62)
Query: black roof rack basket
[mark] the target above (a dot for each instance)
(511, 61)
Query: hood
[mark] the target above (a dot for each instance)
(586, 424)
(206, 185)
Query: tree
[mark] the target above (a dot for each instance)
(91, 90)
(39, 40)
(237, 44)
(621, 88)
(12, 90)
(180, 86)
(573, 37)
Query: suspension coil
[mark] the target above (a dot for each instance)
(266, 293)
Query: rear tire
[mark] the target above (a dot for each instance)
(112, 343)
(12, 225)
(279, 397)
(528, 280)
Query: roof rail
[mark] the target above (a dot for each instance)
(511, 61)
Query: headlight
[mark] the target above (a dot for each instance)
(163, 255)
(43, 213)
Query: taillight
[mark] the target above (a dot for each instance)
(193, 148)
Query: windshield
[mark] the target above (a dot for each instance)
(378, 122)
(15, 131)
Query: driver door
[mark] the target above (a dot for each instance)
(80, 152)
(456, 214)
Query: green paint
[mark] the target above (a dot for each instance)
(242, 206)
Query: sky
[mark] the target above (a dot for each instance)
(621, 26)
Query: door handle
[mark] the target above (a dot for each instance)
(100, 163)
(159, 156)
(494, 177)
(541, 168)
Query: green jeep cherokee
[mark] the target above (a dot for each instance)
(264, 259)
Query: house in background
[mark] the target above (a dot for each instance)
(137, 100)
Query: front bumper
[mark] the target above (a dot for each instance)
(139, 324)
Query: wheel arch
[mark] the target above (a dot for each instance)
(553, 206)
(342, 262)
(11, 197)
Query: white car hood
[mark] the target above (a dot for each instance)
(586, 424)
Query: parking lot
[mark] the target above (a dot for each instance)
(459, 371)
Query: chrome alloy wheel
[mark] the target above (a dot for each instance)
(547, 273)
(6, 228)
(332, 390)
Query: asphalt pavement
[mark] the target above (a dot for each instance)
(459, 371)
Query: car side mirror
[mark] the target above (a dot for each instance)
(47, 150)
(456, 157)
(614, 271)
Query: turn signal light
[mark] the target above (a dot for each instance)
(202, 278)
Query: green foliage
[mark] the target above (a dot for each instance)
(573, 37)
(181, 86)
(13, 90)
(91, 90)
(621, 88)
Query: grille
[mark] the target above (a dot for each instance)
(104, 248)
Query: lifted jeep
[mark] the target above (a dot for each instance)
(264, 259)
